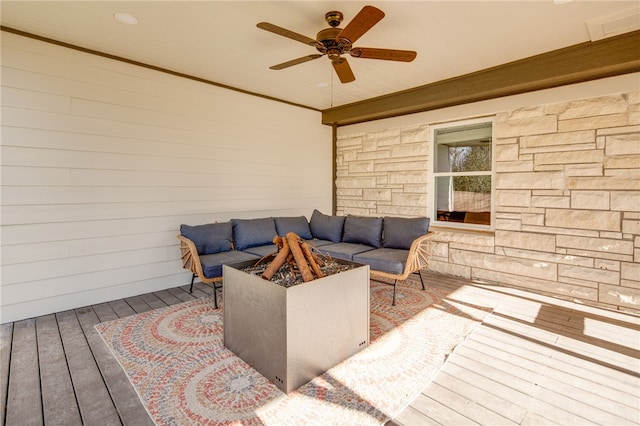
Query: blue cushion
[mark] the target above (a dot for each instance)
(324, 227)
(212, 263)
(299, 225)
(210, 238)
(344, 251)
(262, 250)
(384, 259)
(253, 232)
(363, 230)
(399, 232)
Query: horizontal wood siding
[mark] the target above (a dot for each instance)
(102, 161)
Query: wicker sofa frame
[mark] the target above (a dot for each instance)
(418, 258)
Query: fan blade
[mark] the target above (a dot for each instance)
(363, 21)
(287, 33)
(295, 62)
(343, 70)
(384, 54)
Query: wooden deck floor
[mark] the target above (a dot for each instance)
(534, 360)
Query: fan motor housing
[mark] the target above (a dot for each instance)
(329, 41)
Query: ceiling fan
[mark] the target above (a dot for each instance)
(335, 42)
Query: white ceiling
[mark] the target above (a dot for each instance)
(219, 41)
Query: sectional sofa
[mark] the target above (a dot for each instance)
(393, 247)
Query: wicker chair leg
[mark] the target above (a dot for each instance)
(395, 284)
(193, 277)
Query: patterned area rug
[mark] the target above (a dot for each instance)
(184, 375)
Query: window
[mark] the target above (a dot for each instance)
(463, 174)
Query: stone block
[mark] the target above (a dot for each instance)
(584, 219)
(450, 269)
(349, 192)
(525, 112)
(623, 144)
(411, 150)
(620, 296)
(562, 139)
(407, 199)
(349, 155)
(607, 131)
(541, 256)
(513, 198)
(596, 200)
(526, 126)
(342, 143)
(356, 182)
(631, 226)
(559, 148)
(558, 202)
(414, 134)
(530, 180)
(595, 245)
(402, 211)
(606, 264)
(514, 166)
(506, 152)
(418, 176)
(373, 155)
(369, 145)
(506, 141)
(596, 122)
(440, 249)
(396, 165)
(526, 240)
(589, 274)
(622, 162)
(595, 106)
(508, 224)
(570, 157)
(607, 183)
(515, 266)
(376, 194)
(594, 169)
(534, 219)
(630, 271)
(361, 167)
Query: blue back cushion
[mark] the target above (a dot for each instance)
(299, 225)
(363, 230)
(210, 238)
(399, 232)
(253, 232)
(324, 227)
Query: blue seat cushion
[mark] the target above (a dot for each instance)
(324, 227)
(298, 225)
(210, 238)
(384, 259)
(319, 243)
(344, 251)
(212, 263)
(253, 232)
(363, 230)
(262, 250)
(399, 232)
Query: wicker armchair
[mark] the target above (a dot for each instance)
(418, 258)
(191, 261)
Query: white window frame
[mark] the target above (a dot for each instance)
(433, 175)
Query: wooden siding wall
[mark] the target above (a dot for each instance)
(102, 161)
(567, 189)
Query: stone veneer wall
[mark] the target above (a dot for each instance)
(567, 198)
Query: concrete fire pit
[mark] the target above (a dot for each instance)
(292, 334)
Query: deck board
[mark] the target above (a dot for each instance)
(535, 360)
(94, 400)
(24, 404)
(58, 399)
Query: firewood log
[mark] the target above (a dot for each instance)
(310, 258)
(303, 267)
(278, 261)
